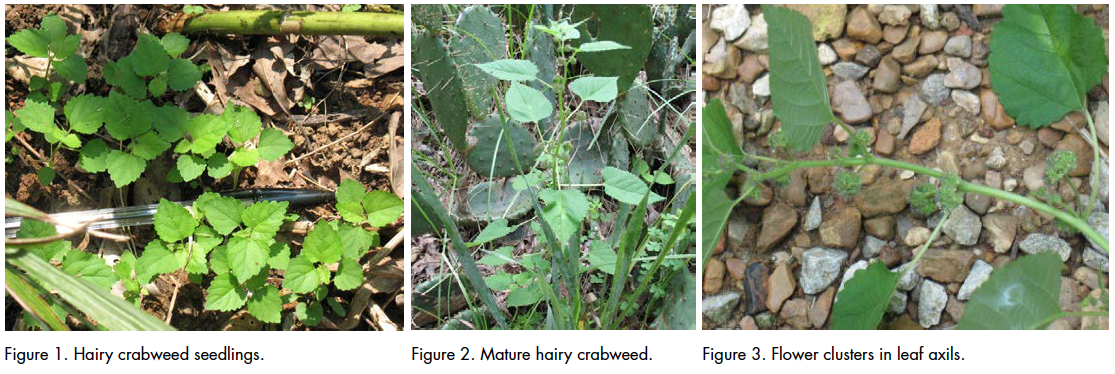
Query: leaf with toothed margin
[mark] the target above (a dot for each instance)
(799, 93)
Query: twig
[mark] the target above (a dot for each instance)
(173, 299)
(332, 143)
(42, 160)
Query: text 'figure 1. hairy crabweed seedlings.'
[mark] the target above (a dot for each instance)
(799, 96)
(139, 123)
(538, 152)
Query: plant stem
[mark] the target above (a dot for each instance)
(925, 246)
(1095, 164)
(274, 22)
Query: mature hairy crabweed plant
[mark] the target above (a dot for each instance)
(141, 123)
(550, 171)
(231, 246)
(1036, 86)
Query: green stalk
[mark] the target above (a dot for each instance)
(276, 22)
(1092, 177)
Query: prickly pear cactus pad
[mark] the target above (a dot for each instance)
(534, 169)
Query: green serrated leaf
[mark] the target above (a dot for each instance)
(157, 86)
(174, 44)
(1044, 59)
(89, 267)
(243, 157)
(310, 314)
(223, 213)
(126, 118)
(225, 294)
(170, 121)
(149, 145)
(124, 168)
(219, 166)
(190, 167)
(273, 144)
(511, 70)
(279, 256)
(94, 156)
(246, 257)
(37, 116)
(382, 207)
(151, 55)
(498, 281)
(494, 230)
(626, 187)
(323, 244)
(243, 123)
(121, 75)
(599, 89)
(602, 256)
(526, 104)
(218, 260)
(45, 175)
(29, 228)
(266, 305)
(155, 260)
(264, 218)
(29, 41)
(864, 300)
(206, 130)
(355, 241)
(1022, 295)
(173, 222)
(85, 113)
(182, 74)
(350, 191)
(564, 211)
(799, 93)
(300, 275)
(349, 275)
(500, 256)
(73, 68)
(524, 296)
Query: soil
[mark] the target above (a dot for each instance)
(367, 133)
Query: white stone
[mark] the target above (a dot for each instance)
(755, 39)
(825, 54)
(813, 216)
(976, 276)
(910, 280)
(761, 87)
(967, 100)
(931, 302)
(732, 20)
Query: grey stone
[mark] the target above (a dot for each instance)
(962, 74)
(910, 280)
(895, 15)
(976, 276)
(1099, 114)
(761, 87)
(731, 20)
(929, 16)
(825, 54)
(963, 226)
(869, 56)
(720, 308)
(997, 160)
(960, 46)
(897, 303)
(931, 302)
(967, 100)
(1098, 221)
(1027, 146)
(849, 71)
(820, 267)
(850, 103)
(1036, 242)
(1095, 259)
(872, 246)
(813, 217)
(912, 108)
(933, 90)
(755, 39)
(1034, 176)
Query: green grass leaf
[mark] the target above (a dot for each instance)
(170, 122)
(526, 104)
(223, 213)
(382, 207)
(564, 211)
(860, 306)
(190, 167)
(218, 166)
(94, 156)
(273, 144)
(323, 244)
(124, 168)
(265, 217)
(85, 113)
(601, 46)
(149, 145)
(626, 187)
(799, 94)
(246, 257)
(244, 157)
(173, 222)
(182, 74)
(300, 275)
(599, 89)
(73, 68)
(494, 230)
(266, 305)
(37, 116)
(224, 294)
(30, 228)
(155, 260)
(1044, 59)
(243, 123)
(1021, 295)
(511, 70)
(174, 44)
(349, 275)
(150, 57)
